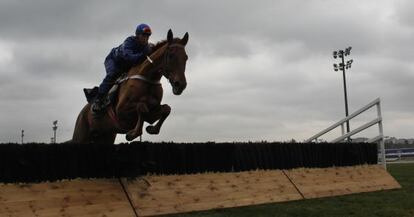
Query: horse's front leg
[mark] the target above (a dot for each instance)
(137, 131)
(161, 114)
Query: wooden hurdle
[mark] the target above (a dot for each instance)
(156, 195)
(81, 197)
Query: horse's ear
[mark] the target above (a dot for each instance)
(184, 40)
(170, 36)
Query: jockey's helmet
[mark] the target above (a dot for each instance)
(143, 29)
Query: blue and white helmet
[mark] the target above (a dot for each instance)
(143, 29)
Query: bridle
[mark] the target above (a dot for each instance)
(165, 71)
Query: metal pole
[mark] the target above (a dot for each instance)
(345, 96)
(381, 132)
(54, 130)
(22, 136)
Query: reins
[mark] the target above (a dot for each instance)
(164, 69)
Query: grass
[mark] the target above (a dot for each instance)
(398, 203)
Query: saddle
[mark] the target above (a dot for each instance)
(92, 93)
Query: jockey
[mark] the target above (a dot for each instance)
(132, 52)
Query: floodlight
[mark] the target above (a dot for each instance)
(341, 53)
(341, 66)
(348, 50)
(335, 54)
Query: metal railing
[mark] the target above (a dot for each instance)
(378, 120)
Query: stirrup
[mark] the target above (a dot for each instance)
(99, 107)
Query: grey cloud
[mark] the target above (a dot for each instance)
(64, 19)
(403, 13)
(256, 70)
(46, 59)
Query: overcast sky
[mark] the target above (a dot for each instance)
(257, 70)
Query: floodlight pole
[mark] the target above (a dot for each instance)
(22, 136)
(345, 96)
(342, 66)
(54, 131)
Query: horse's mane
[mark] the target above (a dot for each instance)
(162, 43)
(154, 49)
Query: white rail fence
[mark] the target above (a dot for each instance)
(378, 120)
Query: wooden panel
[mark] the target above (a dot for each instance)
(66, 198)
(155, 195)
(315, 183)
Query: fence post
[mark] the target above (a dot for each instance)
(381, 141)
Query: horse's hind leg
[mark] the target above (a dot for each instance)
(161, 114)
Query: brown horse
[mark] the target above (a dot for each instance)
(139, 97)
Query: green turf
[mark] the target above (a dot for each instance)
(398, 203)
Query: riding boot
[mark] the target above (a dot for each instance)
(99, 105)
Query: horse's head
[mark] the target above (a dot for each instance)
(175, 59)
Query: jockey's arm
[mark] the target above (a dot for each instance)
(128, 53)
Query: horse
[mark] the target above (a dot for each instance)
(139, 97)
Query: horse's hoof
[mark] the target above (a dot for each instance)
(130, 136)
(152, 130)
